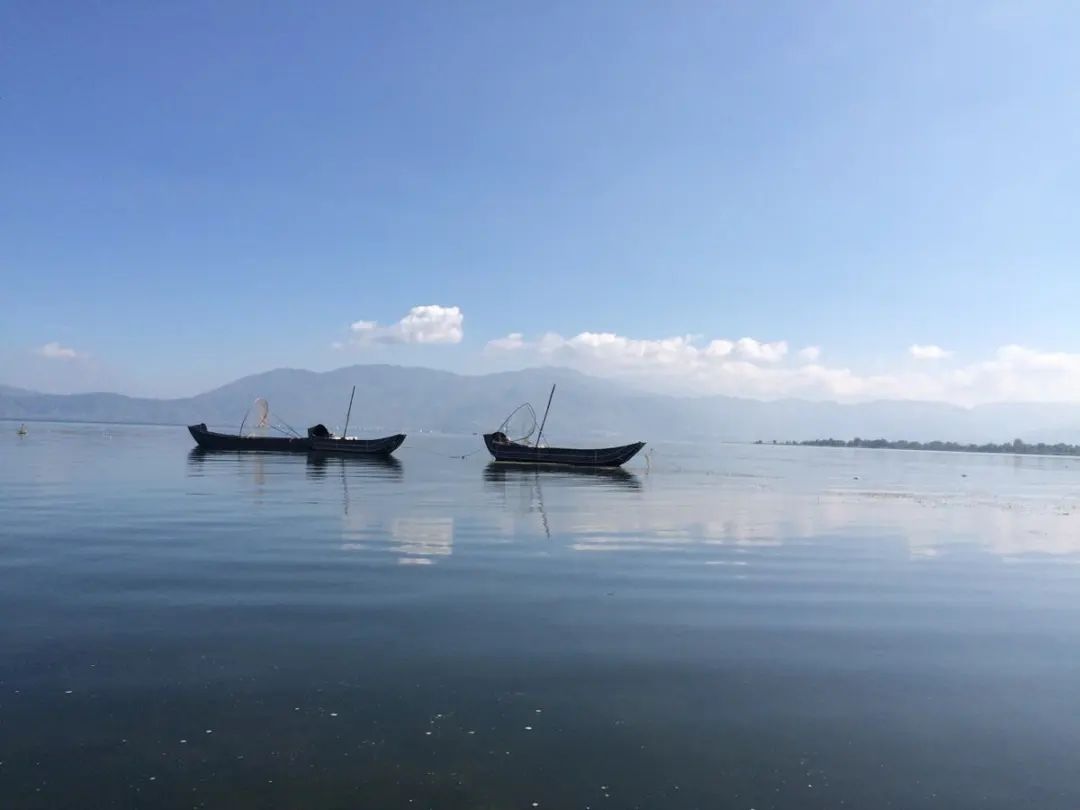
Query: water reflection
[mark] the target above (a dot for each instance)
(691, 512)
(603, 476)
(728, 513)
(567, 482)
(420, 540)
(247, 464)
(384, 467)
(815, 639)
(935, 507)
(317, 465)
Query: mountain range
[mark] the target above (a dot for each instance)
(393, 398)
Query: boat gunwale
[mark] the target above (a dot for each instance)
(598, 457)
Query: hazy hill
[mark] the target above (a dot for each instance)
(391, 398)
(7, 390)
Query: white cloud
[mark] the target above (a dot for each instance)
(752, 368)
(680, 359)
(424, 324)
(1019, 374)
(762, 352)
(55, 351)
(928, 352)
(512, 342)
(719, 348)
(615, 348)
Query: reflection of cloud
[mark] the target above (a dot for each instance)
(420, 540)
(424, 537)
(688, 512)
(1001, 526)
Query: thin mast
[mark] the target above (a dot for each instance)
(544, 422)
(244, 420)
(348, 413)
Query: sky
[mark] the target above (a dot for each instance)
(848, 201)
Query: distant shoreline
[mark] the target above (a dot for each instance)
(1017, 447)
(66, 421)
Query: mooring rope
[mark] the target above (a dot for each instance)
(444, 455)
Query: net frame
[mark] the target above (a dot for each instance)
(526, 409)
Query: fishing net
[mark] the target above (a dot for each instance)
(260, 414)
(259, 420)
(520, 425)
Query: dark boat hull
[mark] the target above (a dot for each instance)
(209, 440)
(358, 447)
(512, 453)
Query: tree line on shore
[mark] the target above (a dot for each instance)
(1016, 446)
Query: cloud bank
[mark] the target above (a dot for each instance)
(764, 369)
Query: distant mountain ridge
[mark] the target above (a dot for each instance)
(392, 398)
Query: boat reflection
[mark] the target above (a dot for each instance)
(528, 481)
(615, 477)
(200, 455)
(317, 464)
(245, 463)
(386, 468)
(197, 455)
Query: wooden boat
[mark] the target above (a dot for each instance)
(506, 450)
(287, 440)
(209, 440)
(317, 440)
(322, 441)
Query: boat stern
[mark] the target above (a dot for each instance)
(492, 439)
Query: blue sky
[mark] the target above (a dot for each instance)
(196, 191)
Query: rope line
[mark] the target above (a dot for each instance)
(444, 455)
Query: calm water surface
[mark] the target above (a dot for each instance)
(738, 627)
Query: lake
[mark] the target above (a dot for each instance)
(733, 627)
